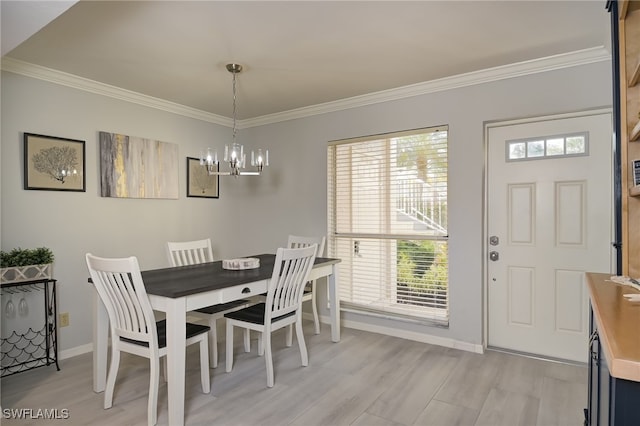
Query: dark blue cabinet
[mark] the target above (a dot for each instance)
(612, 401)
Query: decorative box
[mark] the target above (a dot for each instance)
(241, 263)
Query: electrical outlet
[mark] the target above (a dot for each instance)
(63, 319)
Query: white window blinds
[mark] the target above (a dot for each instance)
(387, 209)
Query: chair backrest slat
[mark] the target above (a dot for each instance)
(297, 241)
(189, 252)
(290, 273)
(121, 289)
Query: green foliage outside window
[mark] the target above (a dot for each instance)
(422, 270)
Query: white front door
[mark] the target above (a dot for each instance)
(549, 220)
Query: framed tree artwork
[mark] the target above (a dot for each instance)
(199, 183)
(53, 164)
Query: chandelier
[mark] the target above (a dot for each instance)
(234, 154)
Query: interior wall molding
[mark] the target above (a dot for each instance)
(409, 335)
(70, 80)
(78, 350)
(550, 63)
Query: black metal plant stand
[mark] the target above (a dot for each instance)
(33, 348)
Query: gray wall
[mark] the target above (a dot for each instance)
(254, 215)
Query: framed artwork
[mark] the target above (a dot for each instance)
(53, 164)
(199, 183)
(134, 167)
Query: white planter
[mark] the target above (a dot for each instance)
(26, 273)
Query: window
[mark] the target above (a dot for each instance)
(387, 202)
(550, 147)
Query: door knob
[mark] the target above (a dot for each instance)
(494, 255)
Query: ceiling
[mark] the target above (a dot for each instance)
(295, 54)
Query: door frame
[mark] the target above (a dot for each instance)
(487, 125)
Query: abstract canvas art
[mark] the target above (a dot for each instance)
(134, 167)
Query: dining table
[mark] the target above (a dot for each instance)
(178, 290)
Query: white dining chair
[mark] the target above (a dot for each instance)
(296, 241)
(283, 306)
(199, 251)
(133, 326)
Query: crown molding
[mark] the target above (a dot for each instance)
(550, 63)
(81, 83)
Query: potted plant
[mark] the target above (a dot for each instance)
(26, 264)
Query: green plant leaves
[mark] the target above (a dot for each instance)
(24, 257)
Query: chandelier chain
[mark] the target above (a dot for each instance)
(234, 106)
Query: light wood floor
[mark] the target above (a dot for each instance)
(367, 380)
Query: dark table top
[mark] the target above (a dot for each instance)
(186, 280)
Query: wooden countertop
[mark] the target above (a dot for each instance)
(618, 322)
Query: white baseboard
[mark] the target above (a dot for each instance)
(404, 334)
(78, 350)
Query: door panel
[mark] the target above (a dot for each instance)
(552, 215)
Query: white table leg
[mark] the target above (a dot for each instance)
(176, 354)
(334, 303)
(100, 343)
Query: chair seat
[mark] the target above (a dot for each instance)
(307, 291)
(192, 330)
(214, 309)
(254, 314)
